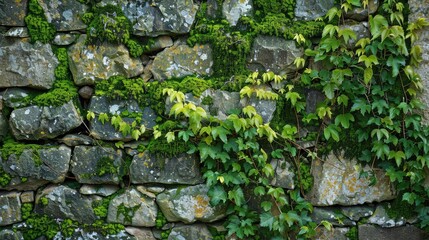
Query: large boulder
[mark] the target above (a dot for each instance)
(337, 181)
(26, 65)
(97, 164)
(65, 15)
(409, 232)
(133, 208)
(189, 204)
(274, 54)
(155, 168)
(64, 203)
(12, 12)
(34, 122)
(89, 63)
(181, 60)
(312, 9)
(10, 208)
(34, 168)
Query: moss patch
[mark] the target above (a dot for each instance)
(38, 27)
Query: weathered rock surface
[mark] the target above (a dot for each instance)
(155, 168)
(337, 181)
(133, 208)
(232, 10)
(102, 190)
(19, 32)
(161, 17)
(106, 131)
(26, 65)
(7, 234)
(361, 14)
(10, 208)
(331, 215)
(381, 218)
(189, 204)
(409, 232)
(361, 30)
(355, 213)
(64, 202)
(160, 43)
(181, 60)
(45, 122)
(37, 166)
(89, 63)
(73, 140)
(140, 233)
(274, 54)
(283, 174)
(65, 15)
(336, 233)
(27, 197)
(265, 108)
(82, 234)
(312, 9)
(15, 97)
(197, 231)
(96, 164)
(12, 12)
(64, 39)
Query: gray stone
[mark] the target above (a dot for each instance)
(64, 39)
(10, 208)
(283, 174)
(420, 9)
(140, 233)
(146, 192)
(361, 30)
(197, 231)
(45, 122)
(337, 181)
(73, 140)
(162, 17)
(63, 202)
(106, 131)
(4, 127)
(409, 232)
(182, 60)
(86, 92)
(265, 108)
(32, 169)
(12, 12)
(336, 233)
(189, 204)
(313, 98)
(7, 234)
(381, 218)
(102, 190)
(355, 213)
(156, 168)
(27, 197)
(331, 215)
(65, 15)
(16, 97)
(160, 43)
(82, 234)
(18, 32)
(96, 164)
(26, 65)
(234, 9)
(312, 9)
(132, 208)
(361, 14)
(223, 102)
(89, 63)
(275, 54)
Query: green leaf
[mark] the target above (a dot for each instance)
(266, 220)
(376, 25)
(369, 60)
(331, 131)
(395, 62)
(361, 105)
(185, 135)
(236, 195)
(220, 132)
(380, 105)
(90, 115)
(343, 99)
(398, 156)
(103, 117)
(217, 194)
(326, 224)
(135, 134)
(347, 34)
(367, 75)
(293, 97)
(344, 120)
(329, 90)
(170, 137)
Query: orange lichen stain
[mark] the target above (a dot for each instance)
(201, 206)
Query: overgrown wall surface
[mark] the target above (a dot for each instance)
(217, 119)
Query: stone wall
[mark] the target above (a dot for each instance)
(68, 167)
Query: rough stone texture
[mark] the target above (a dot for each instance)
(27, 197)
(283, 174)
(336, 233)
(45, 122)
(81, 234)
(361, 14)
(160, 43)
(356, 213)
(232, 10)
(420, 9)
(331, 215)
(182, 60)
(133, 208)
(265, 108)
(160, 17)
(10, 208)
(65, 15)
(140, 233)
(73, 140)
(63, 203)
(371, 232)
(7, 234)
(189, 204)
(101, 104)
(361, 30)
(47, 165)
(381, 218)
(89, 63)
(155, 168)
(88, 161)
(12, 12)
(312, 9)
(102, 190)
(4, 127)
(15, 97)
(274, 54)
(26, 65)
(337, 181)
(19, 32)
(199, 232)
(64, 39)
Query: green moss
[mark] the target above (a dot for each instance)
(352, 234)
(26, 210)
(161, 220)
(207, 101)
(264, 7)
(398, 208)
(105, 228)
(4, 177)
(305, 179)
(127, 212)
(10, 146)
(38, 27)
(67, 227)
(105, 165)
(37, 226)
(44, 201)
(119, 87)
(162, 148)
